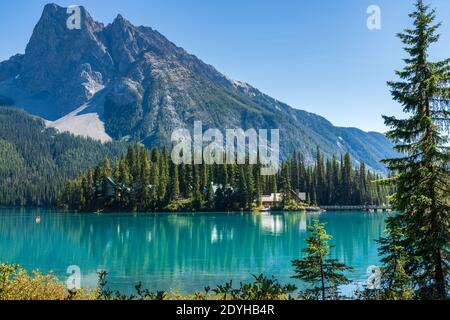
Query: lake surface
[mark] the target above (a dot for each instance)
(183, 252)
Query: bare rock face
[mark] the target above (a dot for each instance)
(11, 68)
(123, 42)
(69, 65)
(121, 81)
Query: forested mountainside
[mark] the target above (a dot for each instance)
(36, 161)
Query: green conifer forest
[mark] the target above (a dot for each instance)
(149, 181)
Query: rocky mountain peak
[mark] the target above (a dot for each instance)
(121, 81)
(121, 20)
(124, 43)
(56, 19)
(57, 52)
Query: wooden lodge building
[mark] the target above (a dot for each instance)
(275, 199)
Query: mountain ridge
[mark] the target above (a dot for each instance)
(137, 85)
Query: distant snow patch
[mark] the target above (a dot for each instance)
(339, 144)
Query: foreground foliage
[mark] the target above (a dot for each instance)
(261, 288)
(17, 284)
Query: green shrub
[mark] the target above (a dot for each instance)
(261, 288)
(17, 284)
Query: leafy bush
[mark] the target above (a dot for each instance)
(105, 293)
(180, 205)
(261, 288)
(17, 284)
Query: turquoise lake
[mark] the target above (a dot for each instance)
(182, 252)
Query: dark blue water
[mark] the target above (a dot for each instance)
(182, 252)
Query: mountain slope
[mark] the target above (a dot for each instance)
(35, 162)
(135, 84)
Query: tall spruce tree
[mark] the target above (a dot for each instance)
(174, 182)
(346, 180)
(154, 177)
(250, 196)
(286, 183)
(320, 176)
(422, 172)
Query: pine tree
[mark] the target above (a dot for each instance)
(242, 188)
(336, 182)
(175, 183)
(273, 184)
(320, 176)
(124, 184)
(106, 173)
(324, 274)
(163, 184)
(197, 193)
(329, 188)
(144, 192)
(395, 282)
(286, 180)
(188, 181)
(362, 183)
(225, 178)
(210, 196)
(346, 180)
(90, 188)
(250, 196)
(258, 183)
(154, 177)
(422, 173)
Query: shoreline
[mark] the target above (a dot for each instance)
(308, 209)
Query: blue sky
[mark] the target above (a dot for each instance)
(316, 55)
